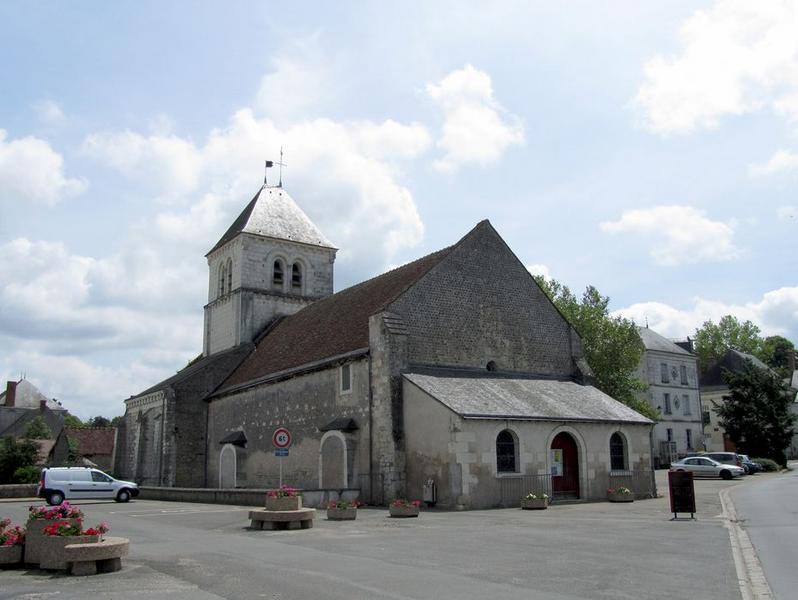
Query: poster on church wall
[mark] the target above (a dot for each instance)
(556, 462)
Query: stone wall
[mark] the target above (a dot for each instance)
(302, 404)
(141, 456)
(480, 304)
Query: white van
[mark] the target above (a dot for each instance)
(75, 483)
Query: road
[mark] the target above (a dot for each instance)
(769, 513)
(580, 551)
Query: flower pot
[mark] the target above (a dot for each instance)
(34, 537)
(534, 503)
(342, 514)
(10, 556)
(53, 555)
(620, 497)
(403, 512)
(284, 503)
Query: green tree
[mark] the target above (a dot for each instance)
(612, 345)
(98, 421)
(712, 340)
(37, 429)
(14, 455)
(73, 421)
(775, 352)
(757, 415)
(117, 421)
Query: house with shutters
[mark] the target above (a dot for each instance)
(671, 373)
(454, 369)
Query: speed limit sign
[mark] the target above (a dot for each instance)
(281, 438)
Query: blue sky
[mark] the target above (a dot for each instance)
(649, 149)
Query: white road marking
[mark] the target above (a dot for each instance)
(182, 511)
(750, 576)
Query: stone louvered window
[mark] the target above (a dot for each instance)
(229, 275)
(296, 277)
(617, 452)
(222, 278)
(346, 379)
(277, 274)
(506, 451)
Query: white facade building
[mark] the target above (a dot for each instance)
(671, 373)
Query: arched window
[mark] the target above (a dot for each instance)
(506, 452)
(229, 275)
(296, 277)
(277, 274)
(617, 452)
(221, 279)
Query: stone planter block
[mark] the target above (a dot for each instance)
(616, 497)
(341, 514)
(286, 503)
(34, 537)
(53, 549)
(100, 557)
(534, 504)
(10, 556)
(403, 512)
(282, 519)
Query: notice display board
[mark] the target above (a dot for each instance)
(682, 492)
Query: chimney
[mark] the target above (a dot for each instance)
(42, 404)
(11, 393)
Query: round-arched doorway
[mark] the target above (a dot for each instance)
(564, 466)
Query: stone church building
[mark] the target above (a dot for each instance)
(454, 368)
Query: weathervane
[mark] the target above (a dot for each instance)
(270, 164)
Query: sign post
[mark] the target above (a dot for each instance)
(682, 493)
(281, 438)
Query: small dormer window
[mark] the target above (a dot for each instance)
(229, 275)
(296, 277)
(277, 275)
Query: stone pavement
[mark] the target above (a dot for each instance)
(576, 551)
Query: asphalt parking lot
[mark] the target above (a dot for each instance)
(596, 550)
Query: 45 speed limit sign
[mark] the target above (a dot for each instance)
(281, 438)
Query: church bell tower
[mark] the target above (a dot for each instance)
(271, 262)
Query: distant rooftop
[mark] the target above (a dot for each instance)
(29, 396)
(654, 341)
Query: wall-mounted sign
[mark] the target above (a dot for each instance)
(556, 462)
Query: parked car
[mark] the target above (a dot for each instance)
(726, 458)
(75, 483)
(750, 466)
(703, 466)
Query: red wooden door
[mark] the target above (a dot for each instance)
(566, 485)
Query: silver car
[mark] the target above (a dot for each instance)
(701, 466)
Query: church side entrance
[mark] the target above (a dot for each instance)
(564, 466)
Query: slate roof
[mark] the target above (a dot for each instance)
(28, 396)
(273, 213)
(331, 326)
(734, 361)
(482, 396)
(654, 341)
(93, 440)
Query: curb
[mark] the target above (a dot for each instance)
(750, 576)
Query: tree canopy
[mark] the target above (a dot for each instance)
(713, 340)
(15, 455)
(756, 415)
(775, 352)
(37, 429)
(612, 345)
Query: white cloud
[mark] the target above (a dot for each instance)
(31, 171)
(476, 130)
(682, 234)
(169, 163)
(735, 57)
(787, 212)
(782, 160)
(776, 313)
(536, 269)
(49, 111)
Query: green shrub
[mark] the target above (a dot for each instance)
(29, 474)
(767, 465)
